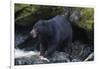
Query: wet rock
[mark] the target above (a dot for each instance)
(24, 41)
(90, 57)
(35, 59)
(20, 39)
(29, 60)
(60, 57)
(29, 44)
(76, 60)
(80, 51)
(77, 50)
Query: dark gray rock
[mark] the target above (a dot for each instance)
(60, 57)
(20, 38)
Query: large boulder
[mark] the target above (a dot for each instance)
(26, 14)
(87, 19)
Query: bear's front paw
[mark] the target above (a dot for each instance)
(44, 59)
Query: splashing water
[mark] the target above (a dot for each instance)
(21, 53)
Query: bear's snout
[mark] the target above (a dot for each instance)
(33, 33)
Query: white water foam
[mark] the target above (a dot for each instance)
(21, 53)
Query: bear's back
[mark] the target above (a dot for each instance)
(61, 25)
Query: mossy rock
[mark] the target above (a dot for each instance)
(28, 14)
(19, 7)
(87, 19)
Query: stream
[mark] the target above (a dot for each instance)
(27, 51)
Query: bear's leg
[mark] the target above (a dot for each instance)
(51, 49)
(42, 50)
(68, 46)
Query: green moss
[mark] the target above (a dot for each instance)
(27, 14)
(87, 18)
(18, 7)
(27, 11)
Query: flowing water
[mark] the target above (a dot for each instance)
(21, 53)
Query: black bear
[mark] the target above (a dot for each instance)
(52, 33)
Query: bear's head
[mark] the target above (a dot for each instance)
(39, 28)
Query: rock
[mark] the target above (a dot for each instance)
(59, 57)
(19, 38)
(80, 51)
(27, 15)
(77, 50)
(75, 16)
(90, 57)
(76, 60)
(19, 7)
(24, 41)
(28, 59)
(87, 19)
